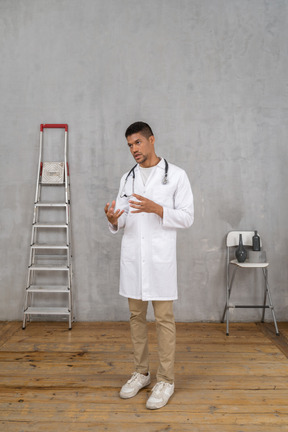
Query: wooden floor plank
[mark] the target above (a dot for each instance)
(98, 409)
(281, 341)
(186, 382)
(163, 416)
(26, 346)
(186, 367)
(106, 395)
(52, 379)
(133, 426)
(7, 330)
(192, 355)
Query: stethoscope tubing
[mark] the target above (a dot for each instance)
(132, 171)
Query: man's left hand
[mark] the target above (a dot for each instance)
(145, 205)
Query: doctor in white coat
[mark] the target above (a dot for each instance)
(154, 199)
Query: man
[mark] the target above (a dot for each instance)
(154, 199)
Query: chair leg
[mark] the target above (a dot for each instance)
(228, 294)
(224, 313)
(271, 306)
(227, 322)
(265, 294)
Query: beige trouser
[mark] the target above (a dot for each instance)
(166, 337)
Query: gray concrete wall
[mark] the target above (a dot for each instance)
(210, 76)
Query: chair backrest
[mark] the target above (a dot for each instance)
(233, 238)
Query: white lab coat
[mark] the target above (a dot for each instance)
(148, 267)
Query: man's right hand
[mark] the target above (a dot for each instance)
(111, 214)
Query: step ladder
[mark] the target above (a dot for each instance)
(49, 280)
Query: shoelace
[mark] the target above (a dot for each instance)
(133, 377)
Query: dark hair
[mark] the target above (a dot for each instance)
(142, 127)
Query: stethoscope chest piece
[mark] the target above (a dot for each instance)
(165, 180)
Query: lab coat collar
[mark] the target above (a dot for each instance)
(151, 179)
(160, 164)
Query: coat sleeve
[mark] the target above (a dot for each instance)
(182, 215)
(121, 204)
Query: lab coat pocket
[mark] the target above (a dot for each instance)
(128, 252)
(164, 248)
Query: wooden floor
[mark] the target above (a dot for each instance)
(52, 379)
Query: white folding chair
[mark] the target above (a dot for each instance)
(232, 242)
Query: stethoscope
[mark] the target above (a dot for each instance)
(132, 171)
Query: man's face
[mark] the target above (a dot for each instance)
(141, 148)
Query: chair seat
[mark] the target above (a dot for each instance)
(249, 265)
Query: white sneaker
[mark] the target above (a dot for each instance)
(161, 393)
(134, 384)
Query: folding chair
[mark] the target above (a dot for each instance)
(232, 242)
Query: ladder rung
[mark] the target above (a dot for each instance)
(50, 204)
(49, 246)
(49, 289)
(50, 225)
(47, 311)
(52, 183)
(48, 267)
(249, 307)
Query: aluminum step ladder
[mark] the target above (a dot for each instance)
(49, 281)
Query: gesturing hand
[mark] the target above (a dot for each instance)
(111, 214)
(145, 205)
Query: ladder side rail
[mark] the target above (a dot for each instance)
(71, 296)
(31, 258)
(70, 246)
(35, 216)
(39, 167)
(70, 249)
(68, 257)
(33, 241)
(69, 252)
(67, 235)
(66, 173)
(67, 194)
(70, 275)
(68, 215)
